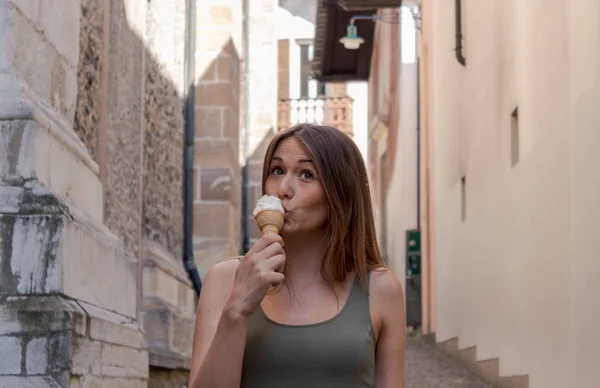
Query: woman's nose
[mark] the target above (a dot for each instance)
(284, 190)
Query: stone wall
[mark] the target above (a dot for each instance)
(164, 124)
(216, 166)
(89, 70)
(264, 63)
(55, 342)
(124, 122)
(91, 127)
(68, 296)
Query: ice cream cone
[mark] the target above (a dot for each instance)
(269, 221)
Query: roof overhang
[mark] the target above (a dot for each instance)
(332, 62)
(362, 5)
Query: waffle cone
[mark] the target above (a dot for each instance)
(269, 221)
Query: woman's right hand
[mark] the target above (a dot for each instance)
(261, 268)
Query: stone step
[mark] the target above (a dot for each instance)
(489, 369)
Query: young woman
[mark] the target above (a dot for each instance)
(315, 306)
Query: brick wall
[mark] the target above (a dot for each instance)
(217, 187)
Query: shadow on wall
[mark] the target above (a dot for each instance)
(132, 125)
(129, 114)
(217, 172)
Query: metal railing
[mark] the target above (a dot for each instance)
(332, 111)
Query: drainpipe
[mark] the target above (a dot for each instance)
(457, 14)
(418, 63)
(188, 153)
(245, 246)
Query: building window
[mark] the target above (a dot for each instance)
(514, 136)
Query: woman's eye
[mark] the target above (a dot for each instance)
(276, 171)
(307, 175)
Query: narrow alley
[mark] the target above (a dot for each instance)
(429, 367)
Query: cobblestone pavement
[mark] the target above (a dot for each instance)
(428, 367)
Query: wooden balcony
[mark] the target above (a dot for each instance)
(332, 111)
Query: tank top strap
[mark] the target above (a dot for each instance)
(357, 305)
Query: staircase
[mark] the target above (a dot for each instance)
(489, 370)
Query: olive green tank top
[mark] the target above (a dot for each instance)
(336, 353)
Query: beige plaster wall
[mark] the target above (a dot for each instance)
(515, 277)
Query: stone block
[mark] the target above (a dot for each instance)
(40, 314)
(31, 254)
(157, 325)
(91, 255)
(37, 356)
(212, 219)
(17, 144)
(10, 362)
(30, 9)
(70, 179)
(182, 333)
(214, 153)
(167, 287)
(231, 126)
(226, 68)
(215, 184)
(103, 382)
(120, 361)
(63, 89)
(187, 299)
(31, 50)
(28, 382)
(208, 122)
(60, 351)
(7, 15)
(213, 94)
(86, 357)
(28, 150)
(59, 19)
(109, 327)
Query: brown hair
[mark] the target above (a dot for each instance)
(351, 237)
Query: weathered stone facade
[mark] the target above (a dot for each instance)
(91, 127)
(89, 70)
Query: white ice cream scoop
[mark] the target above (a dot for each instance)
(269, 214)
(268, 202)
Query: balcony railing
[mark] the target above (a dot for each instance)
(332, 111)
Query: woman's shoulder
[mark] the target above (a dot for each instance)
(385, 285)
(221, 275)
(223, 269)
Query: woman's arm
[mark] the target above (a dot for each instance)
(388, 300)
(230, 294)
(220, 333)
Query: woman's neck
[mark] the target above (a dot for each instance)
(304, 257)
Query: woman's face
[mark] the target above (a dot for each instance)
(293, 179)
